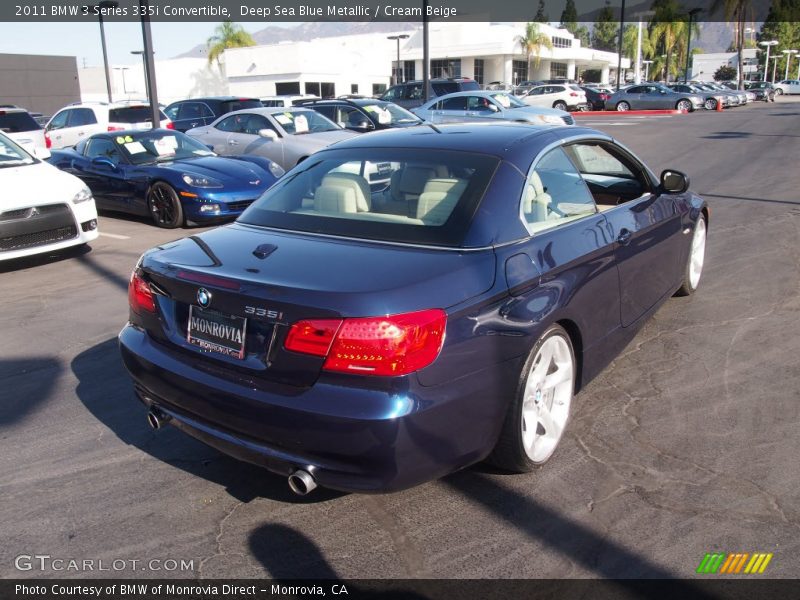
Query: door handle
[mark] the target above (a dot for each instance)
(624, 237)
(80, 133)
(193, 124)
(233, 143)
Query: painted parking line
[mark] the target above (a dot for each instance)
(115, 236)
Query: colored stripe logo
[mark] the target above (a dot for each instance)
(736, 563)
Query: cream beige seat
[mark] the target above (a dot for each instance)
(536, 200)
(356, 184)
(438, 199)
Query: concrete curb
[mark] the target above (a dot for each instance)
(617, 113)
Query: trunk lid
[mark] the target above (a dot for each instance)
(275, 279)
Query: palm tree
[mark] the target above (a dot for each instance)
(532, 43)
(736, 11)
(668, 29)
(227, 35)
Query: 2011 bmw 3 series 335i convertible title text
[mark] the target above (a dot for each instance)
(407, 303)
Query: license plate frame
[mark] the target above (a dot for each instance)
(229, 330)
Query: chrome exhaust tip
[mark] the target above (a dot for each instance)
(302, 482)
(156, 419)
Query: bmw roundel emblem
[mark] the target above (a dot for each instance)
(203, 297)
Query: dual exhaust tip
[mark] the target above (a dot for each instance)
(301, 482)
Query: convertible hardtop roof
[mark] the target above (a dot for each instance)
(485, 138)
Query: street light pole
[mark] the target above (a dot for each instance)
(100, 7)
(398, 71)
(122, 70)
(774, 66)
(144, 72)
(692, 14)
(619, 42)
(149, 63)
(768, 45)
(788, 54)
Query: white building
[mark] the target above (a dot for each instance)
(357, 64)
(363, 64)
(705, 65)
(176, 79)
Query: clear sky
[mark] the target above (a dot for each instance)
(82, 40)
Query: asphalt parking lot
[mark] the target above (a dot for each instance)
(686, 444)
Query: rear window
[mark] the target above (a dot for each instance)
(132, 114)
(399, 195)
(17, 121)
(232, 105)
(445, 88)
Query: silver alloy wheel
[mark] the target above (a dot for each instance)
(711, 104)
(778, 92)
(698, 253)
(547, 397)
(684, 105)
(623, 106)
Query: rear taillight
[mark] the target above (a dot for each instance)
(113, 128)
(170, 125)
(604, 96)
(139, 295)
(47, 141)
(391, 345)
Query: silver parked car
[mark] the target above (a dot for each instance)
(653, 96)
(286, 136)
(495, 105)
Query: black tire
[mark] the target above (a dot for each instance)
(690, 284)
(778, 92)
(164, 205)
(560, 105)
(623, 106)
(509, 453)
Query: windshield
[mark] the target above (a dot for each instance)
(297, 122)
(151, 147)
(389, 194)
(12, 155)
(133, 114)
(508, 101)
(16, 122)
(391, 114)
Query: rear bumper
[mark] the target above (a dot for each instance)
(387, 438)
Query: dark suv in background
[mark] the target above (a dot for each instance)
(409, 94)
(364, 114)
(196, 112)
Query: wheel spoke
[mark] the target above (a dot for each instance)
(551, 429)
(562, 373)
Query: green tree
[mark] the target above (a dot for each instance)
(532, 43)
(227, 35)
(541, 16)
(782, 24)
(725, 73)
(569, 16)
(606, 30)
(667, 32)
(736, 11)
(582, 33)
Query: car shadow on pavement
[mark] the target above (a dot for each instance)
(105, 389)
(30, 262)
(25, 384)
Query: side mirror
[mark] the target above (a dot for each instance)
(364, 126)
(674, 182)
(102, 161)
(41, 153)
(268, 134)
(210, 147)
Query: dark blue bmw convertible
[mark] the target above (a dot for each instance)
(410, 302)
(167, 175)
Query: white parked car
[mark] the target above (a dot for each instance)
(563, 96)
(20, 126)
(42, 209)
(787, 86)
(79, 121)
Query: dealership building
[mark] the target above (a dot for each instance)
(362, 64)
(358, 64)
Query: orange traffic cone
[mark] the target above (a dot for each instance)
(719, 103)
